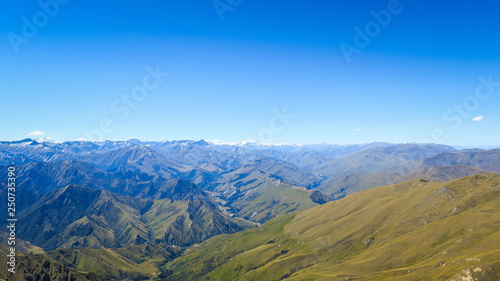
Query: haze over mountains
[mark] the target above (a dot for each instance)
(211, 165)
(126, 196)
(229, 175)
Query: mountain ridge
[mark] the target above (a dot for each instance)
(79, 217)
(409, 231)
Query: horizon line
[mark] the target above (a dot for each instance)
(244, 142)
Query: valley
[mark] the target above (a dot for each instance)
(196, 210)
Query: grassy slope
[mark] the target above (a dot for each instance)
(21, 245)
(186, 223)
(225, 256)
(133, 262)
(415, 230)
(259, 197)
(272, 199)
(38, 267)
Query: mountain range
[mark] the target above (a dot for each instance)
(162, 210)
(233, 175)
(80, 217)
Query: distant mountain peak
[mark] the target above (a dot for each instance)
(201, 142)
(27, 141)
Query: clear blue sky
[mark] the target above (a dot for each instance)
(226, 77)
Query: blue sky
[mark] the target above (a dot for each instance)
(231, 78)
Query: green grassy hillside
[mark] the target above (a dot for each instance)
(38, 267)
(417, 230)
(272, 199)
(139, 262)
